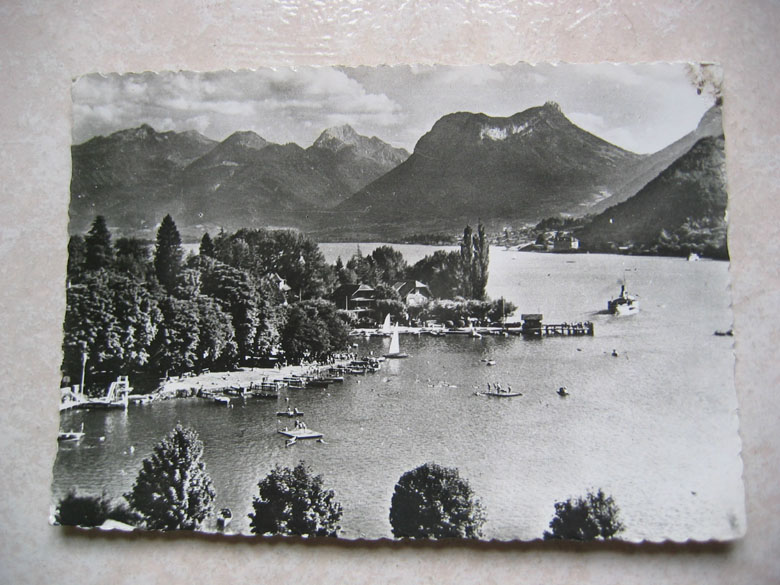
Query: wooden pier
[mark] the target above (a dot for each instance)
(534, 327)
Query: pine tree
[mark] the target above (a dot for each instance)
(99, 252)
(173, 491)
(206, 246)
(168, 253)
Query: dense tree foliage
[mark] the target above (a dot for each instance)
(173, 491)
(432, 501)
(443, 273)
(295, 502)
(75, 509)
(111, 317)
(132, 258)
(288, 254)
(460, 311)
(313, 330)
(595, 516)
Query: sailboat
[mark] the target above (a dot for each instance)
(386, 330)
(395, 346)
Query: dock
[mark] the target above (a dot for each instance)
(300, 434)
(534, 327)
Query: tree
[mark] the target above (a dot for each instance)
(206, 246)
(474, 258)
(175, 348)
(168, 253)
(596, 516)
(173, 491)
(87, 510)
(443, 272)
(390, 265)
(479, 270)
(294, 502)
(99, 252)
(111, 317)
(432, 501)
(467, 260)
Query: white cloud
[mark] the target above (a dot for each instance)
(637, 107)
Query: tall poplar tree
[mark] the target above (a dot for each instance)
(479, 272)
(168, 253)
(467, 260)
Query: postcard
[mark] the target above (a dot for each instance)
(408, 302)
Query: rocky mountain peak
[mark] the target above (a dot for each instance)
(246, 139)
(338, 137)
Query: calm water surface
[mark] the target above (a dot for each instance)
(655, 427)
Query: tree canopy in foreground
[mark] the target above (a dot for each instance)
(432, 501)
(593, 517)
(295, 502)
(173, 491)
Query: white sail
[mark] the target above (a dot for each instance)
(395, 343)
(386, 325)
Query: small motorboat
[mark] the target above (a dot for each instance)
(223, 518)
(71, 435)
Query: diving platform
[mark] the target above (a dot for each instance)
(300, 434)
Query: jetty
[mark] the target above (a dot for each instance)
(533, 326)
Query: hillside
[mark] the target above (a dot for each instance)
(136, 176)
(684, 205)
(524, 167)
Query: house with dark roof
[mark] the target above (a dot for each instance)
(359, 299)
(413, 292)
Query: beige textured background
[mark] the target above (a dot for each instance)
(43, 44)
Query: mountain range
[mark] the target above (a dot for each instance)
(134, 177)
(469, 166)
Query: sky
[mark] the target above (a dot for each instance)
(641, 108)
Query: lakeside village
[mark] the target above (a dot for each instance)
(256, 311)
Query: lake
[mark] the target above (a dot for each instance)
(655, 427)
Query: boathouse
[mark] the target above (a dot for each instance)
(532, 324)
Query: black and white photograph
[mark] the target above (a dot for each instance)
(413, 302)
